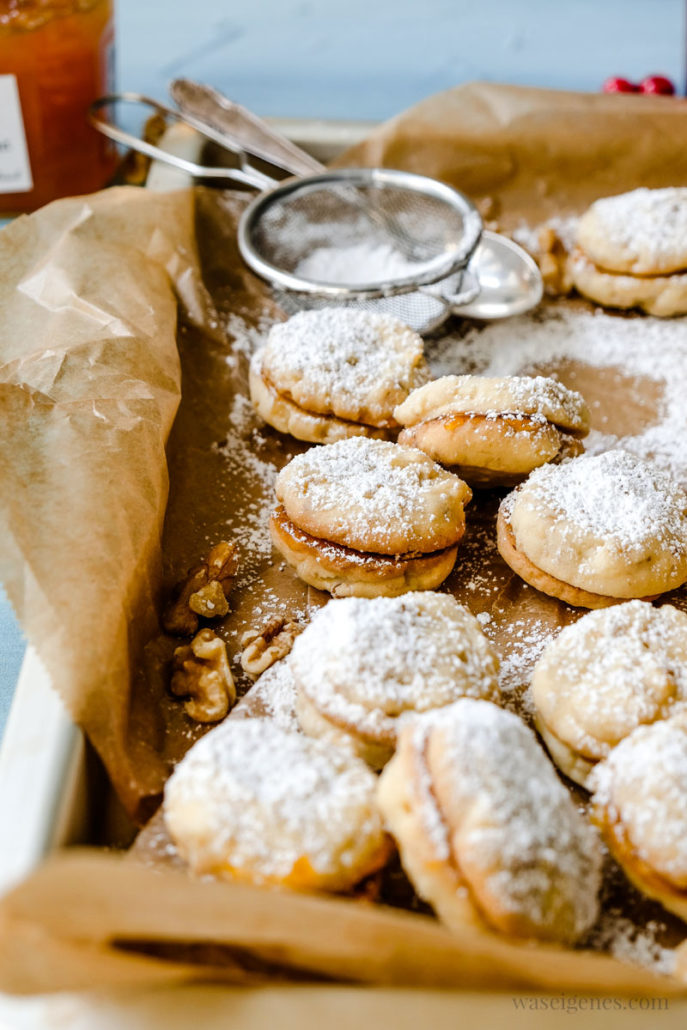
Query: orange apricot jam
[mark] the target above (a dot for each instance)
(56, 57)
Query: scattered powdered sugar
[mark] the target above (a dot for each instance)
(246, 337)
(366, 661)
(524, 641)
(252, 498)
(611, 671)
(613, 495)
(518, 824)
(626, 941)
(643, 783)
(257, 798)
(651, 348)
(274, 695)
(358, 264)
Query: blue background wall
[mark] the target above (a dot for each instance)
(372, 58)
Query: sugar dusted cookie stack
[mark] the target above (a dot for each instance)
(366, 518)
(361, 666)
(494, 431)
(604, 676)
(597, 530)
(334, 373)
(485, 830)
(632, 251)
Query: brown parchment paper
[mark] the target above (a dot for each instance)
(537, 152)
(89, 386)
(533, 153)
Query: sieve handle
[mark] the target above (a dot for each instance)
(228, 122)
(246, 175)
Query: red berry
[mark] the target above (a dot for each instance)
(657, 84)
(618, 85)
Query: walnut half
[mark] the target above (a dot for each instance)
(201, 672)
(203, 593)
(265, 646)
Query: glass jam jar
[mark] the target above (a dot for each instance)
(56, 57)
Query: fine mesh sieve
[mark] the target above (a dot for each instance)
(429, 228)
(426, 231)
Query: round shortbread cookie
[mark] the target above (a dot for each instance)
(492, 819)
(361, 665)
(253, 802)
(608, 673)
(347, 362)
(372, 495)
(661, 295)
(283, 414)
(643, 232)
(540, 396)
(344, 572)
(610, 524)
(640, 804)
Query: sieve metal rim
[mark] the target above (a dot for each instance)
(363, 177)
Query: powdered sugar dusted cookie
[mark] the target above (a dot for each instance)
(485, 829)
(640, 804)
(608, 673)
(372, 495)
(346, 364)
(254, 802)
(283, 414)
(661, 295)
(597, 529)
(643, 232)
(363, 664)
(493, 431)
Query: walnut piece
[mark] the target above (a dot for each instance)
(203, 592)
(201, 673)
(554, 263)
(265, 646)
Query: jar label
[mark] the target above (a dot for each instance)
(15, 169)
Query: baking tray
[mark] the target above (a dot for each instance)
(54, 793)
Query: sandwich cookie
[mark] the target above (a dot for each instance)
(494, 431)
(486, 831)
(643, 232)
(597, 530)
(333, 373)
(256, 803)
(610, 672)
(663, 296)
(366, 518)
(361, 665)
(640, 805)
